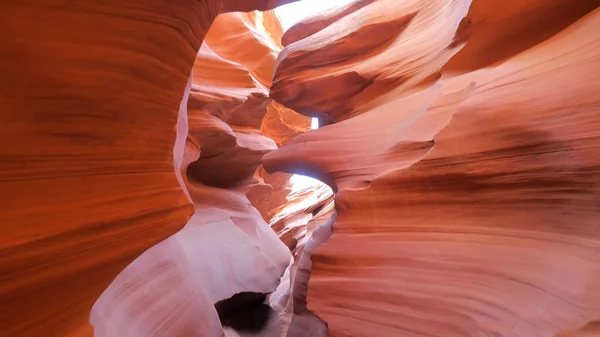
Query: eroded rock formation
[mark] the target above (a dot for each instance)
(148, 150)
(468, 201)
(94, 129)
(226, 248)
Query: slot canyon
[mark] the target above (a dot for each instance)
(389, 168)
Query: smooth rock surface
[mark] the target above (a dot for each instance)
(94, 129)
(148, 152)
(475, 210)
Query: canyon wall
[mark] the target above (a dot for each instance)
(226, 247)
(94, 126)
(148, 149)
(465, 164)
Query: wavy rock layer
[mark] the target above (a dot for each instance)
(92, 108)
(463, 152)
(467, 205)
(226, 248)
(374, 51)
(89, 181)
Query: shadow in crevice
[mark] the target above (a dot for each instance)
(245, 312)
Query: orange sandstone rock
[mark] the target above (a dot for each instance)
(94, 129)
(475, 209)
(141, 170)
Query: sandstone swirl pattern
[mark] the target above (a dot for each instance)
(468, 200)
(148, 145)
(93, 114)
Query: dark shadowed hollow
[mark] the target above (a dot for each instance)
(245, 312)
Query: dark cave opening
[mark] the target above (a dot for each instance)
(245, 312)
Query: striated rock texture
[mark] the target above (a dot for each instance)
(352, 59)
(226, 251)
(94, 128)
(467, 175)
(147, 160)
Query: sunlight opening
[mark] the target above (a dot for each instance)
(314, 123)
(292, 13)
(300, 182)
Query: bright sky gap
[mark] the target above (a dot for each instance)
(291, 13)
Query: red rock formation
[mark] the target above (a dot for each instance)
(226, 247)
(374, 53)
(496, 31)
(474, 210)
(589, 330)
(290, 297)
(282, 124)
(291, 222)
(93, 127)
(463, 152)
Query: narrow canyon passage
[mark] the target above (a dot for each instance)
(156, 161)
